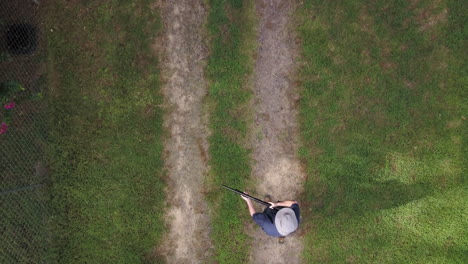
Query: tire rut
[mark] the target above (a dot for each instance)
(276, 168)
(183, 58)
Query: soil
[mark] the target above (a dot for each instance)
(276, 169)
(183, 59)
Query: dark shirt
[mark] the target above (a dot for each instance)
(266, 220)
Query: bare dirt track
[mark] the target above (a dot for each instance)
(183, 58)
(276, 168)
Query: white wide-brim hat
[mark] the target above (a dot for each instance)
(286, 221)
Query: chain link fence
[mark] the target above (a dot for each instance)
(23, 131)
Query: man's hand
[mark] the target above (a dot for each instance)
(245, 198)
(273, 205)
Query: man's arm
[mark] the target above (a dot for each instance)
(249, 205)
(284, 204)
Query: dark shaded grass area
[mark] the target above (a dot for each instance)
(230, 28)
(24, 236)
(106, 127)
(383, 121)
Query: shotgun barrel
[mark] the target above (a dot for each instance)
(246, 195)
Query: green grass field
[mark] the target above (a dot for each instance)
(230, 25)
(382, 116)
(107, 177)
(383, 126)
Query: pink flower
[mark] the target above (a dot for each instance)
(10, 105)
(3, 128)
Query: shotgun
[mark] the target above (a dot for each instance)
(246, 195)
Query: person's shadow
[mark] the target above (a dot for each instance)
(355, 199)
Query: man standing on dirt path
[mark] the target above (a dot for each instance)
(278, 220)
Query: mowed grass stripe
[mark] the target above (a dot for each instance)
(229, 65)
(105, 131)
(383, 120)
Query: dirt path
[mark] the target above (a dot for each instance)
(277, 170)
(183, 58)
